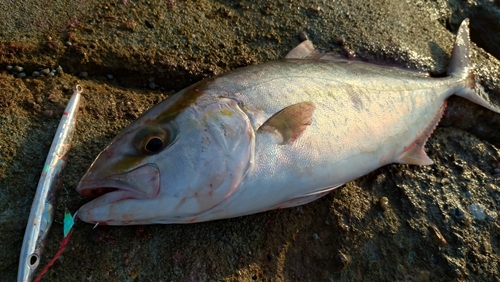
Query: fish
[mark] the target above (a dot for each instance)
(43, 207)
(270, 136)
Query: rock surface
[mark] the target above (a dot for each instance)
(425, 231)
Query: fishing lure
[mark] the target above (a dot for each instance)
(42, 209)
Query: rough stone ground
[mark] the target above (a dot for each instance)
(428, 231)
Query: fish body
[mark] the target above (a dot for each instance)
(43, 207)
(270, 136)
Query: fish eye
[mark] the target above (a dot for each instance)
(151, 140)
(154, 145)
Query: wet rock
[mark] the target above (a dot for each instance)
(389, 28)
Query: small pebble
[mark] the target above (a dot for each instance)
(9, 68)
(339, 40)
(478, 211)
(59, 69)
(303, 36)
(149, 24)
(424, 275)
(460, 253)
(109, 76)
(340, 261)
(435, 259)
(436, 236)
(152, 85)
(315, 9)
(18, 69)
(67, 43)
(458, 213)
(467, 194)
(35, 73)
(383, 203)
(315, 236)
(496, 171)
(83, 74)
(21, 75)
(51, 74)
(270, 256)
(491, 215)
(48, 113)
(45, 71)
(492, 187)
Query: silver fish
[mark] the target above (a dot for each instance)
(270, 136)
(42, 209)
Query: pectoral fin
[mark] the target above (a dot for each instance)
(290, 122)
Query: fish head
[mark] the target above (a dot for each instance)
(171, 165)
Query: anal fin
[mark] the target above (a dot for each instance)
(414, 153)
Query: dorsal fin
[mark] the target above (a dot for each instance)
(304, 50)
(290, 122)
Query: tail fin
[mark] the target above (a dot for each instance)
(460, 67)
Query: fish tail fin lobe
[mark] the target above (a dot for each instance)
(460, 66)
(460, 57)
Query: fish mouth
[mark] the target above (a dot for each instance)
(140, 183)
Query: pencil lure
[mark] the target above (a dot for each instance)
(42, 209)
